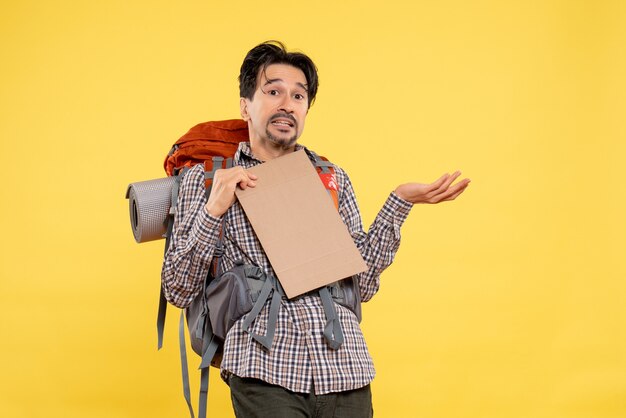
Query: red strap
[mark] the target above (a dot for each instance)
(329, 180)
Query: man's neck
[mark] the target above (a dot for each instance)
(265, 151)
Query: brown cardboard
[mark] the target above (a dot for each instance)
(298, 226)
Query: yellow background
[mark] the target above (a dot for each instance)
(507, 303)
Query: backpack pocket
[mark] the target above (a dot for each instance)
(232, 295)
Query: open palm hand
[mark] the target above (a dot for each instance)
(440, 190)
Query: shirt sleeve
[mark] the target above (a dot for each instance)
(379, 245)
(194, 237)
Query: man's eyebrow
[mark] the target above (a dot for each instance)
(274, 80)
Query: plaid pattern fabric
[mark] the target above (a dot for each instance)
(299, 359)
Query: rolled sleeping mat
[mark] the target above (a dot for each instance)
(149, 204)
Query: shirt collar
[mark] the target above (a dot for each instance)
(245, 151)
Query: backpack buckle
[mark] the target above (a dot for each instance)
(219, 250)
(335, 290)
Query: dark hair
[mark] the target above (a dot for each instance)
(274, 52)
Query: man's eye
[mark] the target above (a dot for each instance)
(299, 96)
(273, 92)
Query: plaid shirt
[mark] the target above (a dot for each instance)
(299, 359)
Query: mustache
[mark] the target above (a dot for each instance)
(283, 116)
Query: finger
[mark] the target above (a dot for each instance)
(446, 185)
(244, 181)
(454, 196)
(437, 183)
(251, 179)
(435, 195)
(243, 184)
(447, 193)
(248, 178)
(457, 191)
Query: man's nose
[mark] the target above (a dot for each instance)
(286, 104)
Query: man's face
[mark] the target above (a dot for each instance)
(279, 106)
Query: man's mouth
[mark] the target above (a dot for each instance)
(283, 122)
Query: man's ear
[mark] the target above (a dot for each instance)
(243, 108)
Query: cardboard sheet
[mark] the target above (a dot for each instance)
(298, 226)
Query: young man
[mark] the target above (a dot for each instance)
(301, 375)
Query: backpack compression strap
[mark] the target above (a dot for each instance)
(332, 331)
(183, 362)
(217, 164)
(271, 284)
(209, 345)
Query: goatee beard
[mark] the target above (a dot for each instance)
(283, 143)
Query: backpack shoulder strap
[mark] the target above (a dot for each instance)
(326, 171)
(210, 167)
(323, 164)
(333, 333)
